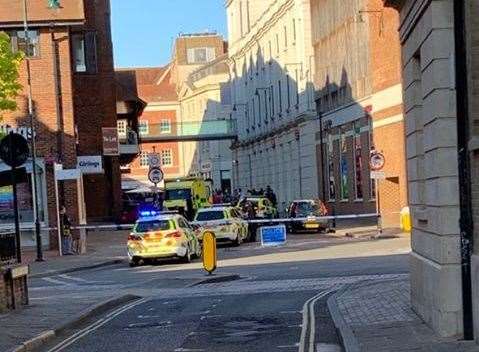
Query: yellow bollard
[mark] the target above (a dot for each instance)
(209, 252)
(406, 224)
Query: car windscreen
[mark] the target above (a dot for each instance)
(307, 208)
(154, 225)
(210, 215)
(176, 194)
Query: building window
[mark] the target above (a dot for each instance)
(167, 157)
(271, 100)
(294, 30)
(358, 161)
(270, 47)
(121, 125)
(285, 37)
(277, 43)
(288, 90)
(19, 43)
(330, 168)
(200, 55)
(144, 159)
(297, 87)
(84, 52)
(372, 183)
(343, 166)
(280, 95)
(165, 126)
(143, 127)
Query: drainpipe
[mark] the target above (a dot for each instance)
(466, 222)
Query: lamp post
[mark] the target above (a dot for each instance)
(53, 4)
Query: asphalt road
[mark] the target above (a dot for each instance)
(279, 304)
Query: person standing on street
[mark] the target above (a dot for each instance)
(66, 232)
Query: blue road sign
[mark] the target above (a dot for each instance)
(273, 235)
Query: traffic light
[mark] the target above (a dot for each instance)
(54, 4)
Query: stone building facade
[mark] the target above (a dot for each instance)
(359, 99)
(271, 63)
(439, 41)
(73, 92)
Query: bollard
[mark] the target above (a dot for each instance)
(209, 252)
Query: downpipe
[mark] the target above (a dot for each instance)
(466, 220)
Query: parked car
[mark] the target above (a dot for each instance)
(162, 235)
(307, 210)
(225, 222)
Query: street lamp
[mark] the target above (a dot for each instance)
(53, 4)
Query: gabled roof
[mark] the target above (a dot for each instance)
(126, 89)
(153, 84)
(70, 12)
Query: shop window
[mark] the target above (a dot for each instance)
(358, 161)
(167, 157)
(30, 47)
(84, 52)
(343, 166)
(372, 183)
(144, 159)
(330, 169)
(165, 126)
(143, 127)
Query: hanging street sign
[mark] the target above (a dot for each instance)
(377, 161)
(155, 175)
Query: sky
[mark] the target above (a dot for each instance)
(144, 30)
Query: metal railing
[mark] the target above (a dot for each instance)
(7, 248)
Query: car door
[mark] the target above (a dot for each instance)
(188, 231)
(242, 224)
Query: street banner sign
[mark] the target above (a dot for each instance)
(155, 175)
(154, 160)
(273, 235)
(377, 161)
(378, 175)
(111, 143)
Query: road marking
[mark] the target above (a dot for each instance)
(187, 350)
(291, 312)
(54, 281)
(326, 347)
(309, 321)
(289, 346)
(68, 277)
(95, 326)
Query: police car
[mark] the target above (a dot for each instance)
(159, 235)
(225, 222)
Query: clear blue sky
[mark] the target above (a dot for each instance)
(143, 30)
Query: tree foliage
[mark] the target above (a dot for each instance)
(9, 66)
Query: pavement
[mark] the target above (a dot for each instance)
(376, 316)
(260, 299)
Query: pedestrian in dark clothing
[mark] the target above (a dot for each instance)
(67, 239)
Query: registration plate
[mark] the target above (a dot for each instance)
(311, 226)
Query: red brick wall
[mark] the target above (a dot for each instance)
(20, 294)
(95, 107)
(137, 170)
(385, 67)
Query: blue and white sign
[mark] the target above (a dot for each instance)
(273, 235)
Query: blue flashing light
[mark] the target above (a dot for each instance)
(149, 213)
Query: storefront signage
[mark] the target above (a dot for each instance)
(26, 132)
(90, 164)
(111, 142)
(67, 174)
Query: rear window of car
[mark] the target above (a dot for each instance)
(210, 215)
(154, 225)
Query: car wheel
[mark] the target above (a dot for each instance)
(237, 241)
(187, 257)
(134, 262)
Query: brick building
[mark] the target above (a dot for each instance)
(74, 94)
(359, 99)
(169, 123)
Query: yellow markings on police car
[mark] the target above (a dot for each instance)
(209, 252)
